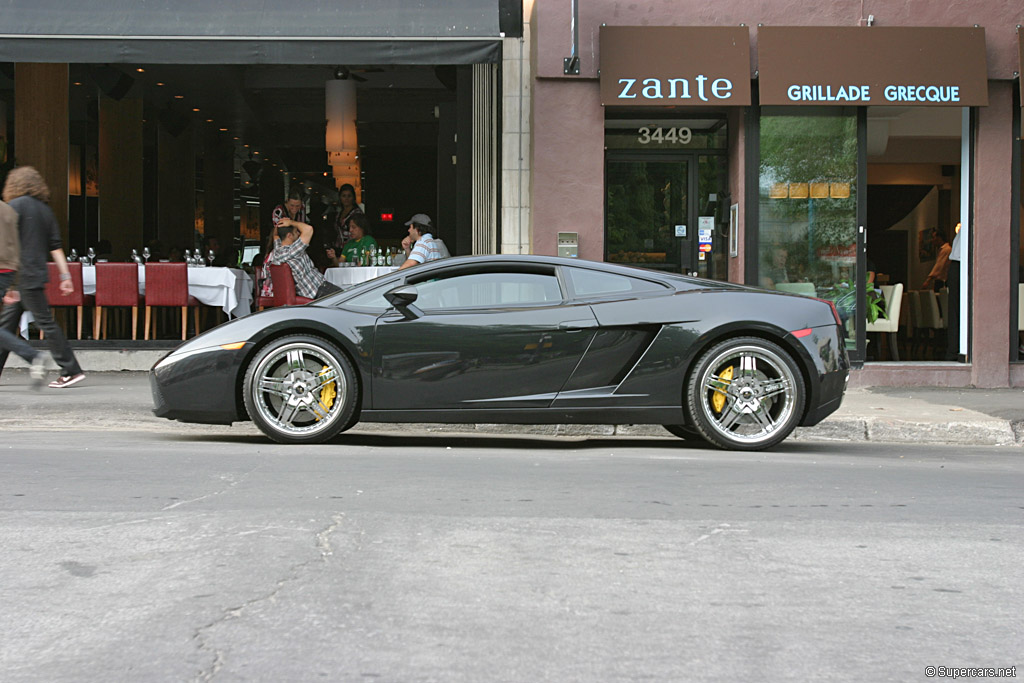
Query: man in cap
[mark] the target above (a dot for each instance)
(420, 246)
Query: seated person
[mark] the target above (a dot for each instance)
(360, 241)
(420, 246)
(293, 238)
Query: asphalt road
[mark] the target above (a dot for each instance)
(211, 554)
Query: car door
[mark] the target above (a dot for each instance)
(490, 337)
(630, 312)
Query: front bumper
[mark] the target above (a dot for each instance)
(201, 386)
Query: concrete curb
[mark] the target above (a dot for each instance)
(983, 433)
(986, 433)
(106, 360)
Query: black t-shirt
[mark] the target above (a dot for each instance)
(39, 235)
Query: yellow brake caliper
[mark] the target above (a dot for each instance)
(328, 393)
(718, 400)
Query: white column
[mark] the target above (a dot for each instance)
(515, 139)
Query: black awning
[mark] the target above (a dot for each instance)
(251, 31)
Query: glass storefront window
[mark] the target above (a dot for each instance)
(808, 207)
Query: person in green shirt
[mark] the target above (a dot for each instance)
(360, 242)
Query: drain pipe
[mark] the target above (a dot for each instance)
(571, 64)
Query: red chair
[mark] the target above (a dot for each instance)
(117, 284)
(284, 289)
(77, 298)
(167, 285)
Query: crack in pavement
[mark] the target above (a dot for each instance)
(233, 484)
(325, 550)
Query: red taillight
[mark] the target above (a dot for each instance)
(835, 313)
(801, 333)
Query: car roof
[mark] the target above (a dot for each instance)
(674, 280)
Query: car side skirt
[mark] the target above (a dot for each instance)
(596, 415)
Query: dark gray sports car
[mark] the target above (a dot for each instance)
(525, 340)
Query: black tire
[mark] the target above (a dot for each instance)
(685, 432)
(763, 401)
(289, 385)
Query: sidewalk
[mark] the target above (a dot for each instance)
(122, 401)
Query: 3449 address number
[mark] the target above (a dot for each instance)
(676, 136)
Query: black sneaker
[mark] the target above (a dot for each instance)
(66, 381)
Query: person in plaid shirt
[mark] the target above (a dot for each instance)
(293, 237)
(294, 209)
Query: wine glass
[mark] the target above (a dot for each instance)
(73, 256)
(146, 254)
(135, 256)
(188, 257)
(210, 256)
(92, 256)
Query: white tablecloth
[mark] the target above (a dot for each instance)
(343, 277)
(229, 289)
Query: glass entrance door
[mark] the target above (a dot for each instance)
(665, 213)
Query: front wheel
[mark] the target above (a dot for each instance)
(745, 394)
(301, 389)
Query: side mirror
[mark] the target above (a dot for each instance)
(403, 299)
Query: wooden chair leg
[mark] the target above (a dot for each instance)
(78, 317)
(96, 317)
(135, 322)
(149, 318)
(894, 351)
(184, 321)
(195, 317)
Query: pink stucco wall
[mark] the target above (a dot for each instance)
(737, 186)
(990, 267)
(553, 34)
(568, 166)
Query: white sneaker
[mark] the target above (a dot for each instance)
(37, 372)
(66, 381)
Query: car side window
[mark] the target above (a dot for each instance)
(488, 289)
(372, 300)
(586, 283)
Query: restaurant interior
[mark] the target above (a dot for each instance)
(161, 156)
(914, 166)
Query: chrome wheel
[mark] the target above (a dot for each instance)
(746, 394)
(300, 390)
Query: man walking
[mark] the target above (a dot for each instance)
(26, 192)
(9, 260)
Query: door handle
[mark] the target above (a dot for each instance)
(577, 325)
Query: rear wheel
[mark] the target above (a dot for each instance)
(301, 389)
(745, 394)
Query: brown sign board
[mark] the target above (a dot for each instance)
(692, 66)
(878, 65)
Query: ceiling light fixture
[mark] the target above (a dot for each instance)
(341, 137)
